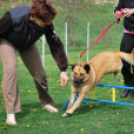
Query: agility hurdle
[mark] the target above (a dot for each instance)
(103, 101)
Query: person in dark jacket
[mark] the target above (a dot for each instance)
(20, 28)
(127, 43)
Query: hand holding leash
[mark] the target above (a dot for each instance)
(128, 12)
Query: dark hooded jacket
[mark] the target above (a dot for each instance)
(128, 22)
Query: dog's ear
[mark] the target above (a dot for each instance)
(72, 66)
(87, 68)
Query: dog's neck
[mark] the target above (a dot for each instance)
(92, 74)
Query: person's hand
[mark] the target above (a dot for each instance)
(64, 79)
(117, 13)
(128, 12)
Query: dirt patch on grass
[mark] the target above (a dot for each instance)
(114, 2)
(13, 3)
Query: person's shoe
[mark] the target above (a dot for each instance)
(125, 93)
(11, 120)
(50, 108)
(131, 96)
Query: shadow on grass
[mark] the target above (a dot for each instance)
(26, 109)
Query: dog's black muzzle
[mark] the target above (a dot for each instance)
(77, 81)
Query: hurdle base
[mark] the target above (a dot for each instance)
(65, 105)
(102, 101)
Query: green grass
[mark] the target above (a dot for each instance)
(95, 118)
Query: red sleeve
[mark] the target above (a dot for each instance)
(5, 23)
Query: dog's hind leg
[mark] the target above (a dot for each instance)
(116, 76)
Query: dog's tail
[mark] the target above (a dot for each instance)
(127, 57)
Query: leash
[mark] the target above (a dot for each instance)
(99, 37)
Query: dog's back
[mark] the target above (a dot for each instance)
(110, 62)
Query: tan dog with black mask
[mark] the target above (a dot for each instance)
(86, 76)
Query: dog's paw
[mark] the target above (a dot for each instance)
(69, 112)
(64, 115)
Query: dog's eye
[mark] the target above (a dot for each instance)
(75, 73)
(81, 74)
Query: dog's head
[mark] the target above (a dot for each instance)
(80, 72)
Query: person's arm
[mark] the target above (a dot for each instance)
(56, 48)
(5, 23)
(128, 11)
(58, 53)
(119, 6)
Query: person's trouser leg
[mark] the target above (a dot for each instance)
(31, 58)
(127, 45)
(132, 92)
(9, 83)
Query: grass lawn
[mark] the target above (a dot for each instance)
(95, 118)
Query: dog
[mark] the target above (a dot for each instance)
(85, 76)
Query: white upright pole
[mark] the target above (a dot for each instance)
(66, 36)
(43, 50)
(88, 35)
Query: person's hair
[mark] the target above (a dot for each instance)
(43, 9)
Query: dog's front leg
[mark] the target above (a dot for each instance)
(72, 98)
(77, 103)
